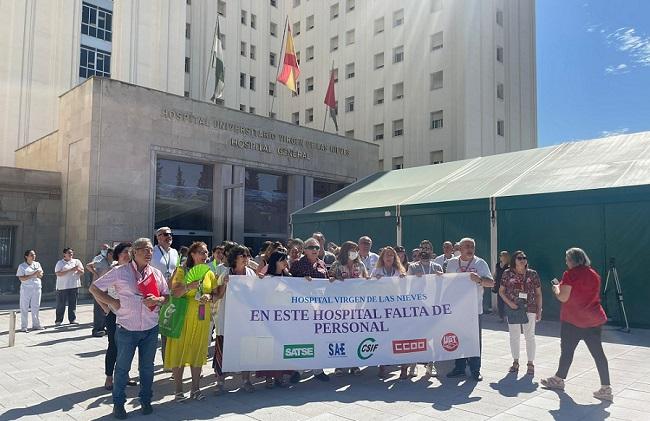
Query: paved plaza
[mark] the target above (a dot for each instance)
(58, 374)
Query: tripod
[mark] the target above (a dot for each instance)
(619, 292)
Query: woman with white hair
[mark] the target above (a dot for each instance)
(582, 318)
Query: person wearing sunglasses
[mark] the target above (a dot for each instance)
(520, 287)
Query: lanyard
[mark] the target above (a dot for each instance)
(466, 268)
(427, 271)
(167, 260)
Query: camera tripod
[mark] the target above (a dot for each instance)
(619, 293)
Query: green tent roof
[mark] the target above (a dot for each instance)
(616, 161)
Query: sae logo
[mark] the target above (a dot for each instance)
(298, 351)
(337, 349)
(367, 348)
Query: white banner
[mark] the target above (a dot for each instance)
(279, 323)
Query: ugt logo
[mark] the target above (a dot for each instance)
(367, 348)
(449, 342)
(337, 349)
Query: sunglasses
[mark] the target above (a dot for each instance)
(166, 234)
(312, 248)
(522, 258)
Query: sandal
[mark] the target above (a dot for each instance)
(248, 386)
(553, 383)
(514, 368)
(180, 397)
(197, 395)
(531, 369)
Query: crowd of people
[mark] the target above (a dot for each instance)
(195, 279)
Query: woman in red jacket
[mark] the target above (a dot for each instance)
(582, 318)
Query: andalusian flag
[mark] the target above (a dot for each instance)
(290, 70)
(330, 100)
(217, 65)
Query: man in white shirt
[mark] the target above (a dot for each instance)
(448, 253)
(165, 259)
(479, 273)
(367, 257)
(68, 280)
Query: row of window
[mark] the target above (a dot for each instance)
(435, 157)
(96, 22)
(94, 61)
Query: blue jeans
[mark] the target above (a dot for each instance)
(473, 362)
(127, 341)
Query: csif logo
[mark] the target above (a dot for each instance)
(406, 346)
(367, 348)
(298, 351)
(337, 349)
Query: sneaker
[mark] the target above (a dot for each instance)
(431, 370)
(604, 393)
(295, 377)
(57, 323)
(553, 383)
(99, 334)
(74, 322)
(146, 409)
(477, 376)
(338, 372)
(38, 328)
(356, 371)
(119, 412)
(322, 377)
(456, 373)
(24, 330)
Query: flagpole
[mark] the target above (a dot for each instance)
(207, 74)
(327, 106)
(280, 59)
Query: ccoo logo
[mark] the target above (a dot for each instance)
(450, 342)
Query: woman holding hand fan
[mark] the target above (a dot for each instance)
(194, 281)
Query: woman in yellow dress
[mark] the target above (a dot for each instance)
(191, 347)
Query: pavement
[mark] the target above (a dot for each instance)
(58, 373)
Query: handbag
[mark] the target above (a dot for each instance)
(517, 316)
(172, 317)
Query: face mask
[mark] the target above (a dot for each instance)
(456, 253)
(104, 253)
(353, 255)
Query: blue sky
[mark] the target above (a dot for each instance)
(593, 68)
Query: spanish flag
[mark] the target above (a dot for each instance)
(290, 70)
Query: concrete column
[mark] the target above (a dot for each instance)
(239, 182)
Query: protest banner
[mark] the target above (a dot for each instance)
(290, 323)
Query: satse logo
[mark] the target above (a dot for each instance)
(337, 349)
(298, 351)
(409, 345)
(450, 342)
(367, 348)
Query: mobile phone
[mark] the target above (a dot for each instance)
(554, 281)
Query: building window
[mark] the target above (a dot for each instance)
(436, 119)
(436, 80)
(378, 96)
(7, 245)
(501, 127)
(350, 5)
(298, 56)
(221, 7)
(398, 127)
(273, 29)
(274, 3)
(272, 115)
(186, 94)
(242, 107)
(398, 91)
(296, 3)
(253, 21)
(309, 115)
(266, 209)
(242, 80)
(297, 92)
(435, 157)
(436, 41)
(349, 70)
(188, 30)
(398, 54)
(398, 162)
(244, 17)
(349, 37)
(253, 52)
(251, 110)
(296, 28)
(272, 59)
(242, 49)
(187, 64)
(336, 74)
(310, 22)
(323, 189)
(499, 17)
(96, 22)
(349, 133)
(500, 91)
(310, 53)
(379, 25)
(379, 61)
(295, 118)
(398, 17)
(184, 195)
(271, 89)
(436, 6)
(349, 104)
(500, 54)
(378, 131)
(252, 83)
(222, 37)
(334, 11)
(94, 61)
(381, 165)
(310, 84)
(334, 43)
